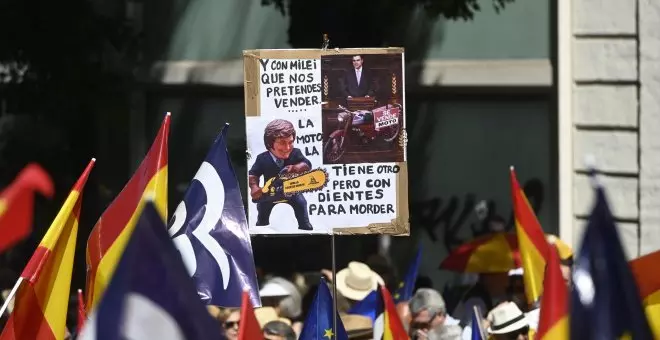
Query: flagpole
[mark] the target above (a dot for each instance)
(334, 284)
(11, 296)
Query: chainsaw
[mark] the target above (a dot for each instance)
(284, 185)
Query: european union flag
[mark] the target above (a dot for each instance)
(318, 324)
(150, 295)
(210, 230)
(605, 302)
(406, 288)
(367, 306)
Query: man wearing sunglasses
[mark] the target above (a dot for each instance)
(429, 315)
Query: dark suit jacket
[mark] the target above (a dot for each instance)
(367, 85)
(265, 166)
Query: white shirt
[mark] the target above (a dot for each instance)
(358, 73)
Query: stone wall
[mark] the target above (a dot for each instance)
(616, 114)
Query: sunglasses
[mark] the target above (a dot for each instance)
(231, 324)
(423, 325)
(514, 335)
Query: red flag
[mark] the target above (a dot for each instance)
(16, 204)
(249, 326)
(109, 236)
(531, 242)
(81, 311)
(553, 321)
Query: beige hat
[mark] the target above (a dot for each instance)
(357, 280)
(506, 318)
(265, 315)
(356, 324)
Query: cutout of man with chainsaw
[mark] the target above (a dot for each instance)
(280, 159)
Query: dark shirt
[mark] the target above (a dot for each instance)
(265, 166)
(350, 85)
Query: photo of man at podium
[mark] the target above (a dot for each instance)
(358, 81)
(362, 107)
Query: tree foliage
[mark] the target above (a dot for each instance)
(450, 9)
(360, 23)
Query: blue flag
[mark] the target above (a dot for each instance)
(605, 302)
(476, 329)
(318, 324)
(150, 295)
(367, 306)
(406, 288)
(210, 230)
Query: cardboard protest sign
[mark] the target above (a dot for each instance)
(326, 139)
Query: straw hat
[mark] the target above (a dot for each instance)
(265, 315)
(357, 280)
(507, 318)
(356, 325)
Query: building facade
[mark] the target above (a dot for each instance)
(609, 108)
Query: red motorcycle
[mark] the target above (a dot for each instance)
(364, 126)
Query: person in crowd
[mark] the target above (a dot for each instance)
(285, 297)
(382, 266)
(278, 330)
(488, 292)
(508, 322)
(445, 333)
(357, 327)
(429, 315)
(231, 322)
(356, 281)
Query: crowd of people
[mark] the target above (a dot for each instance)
(426, 315)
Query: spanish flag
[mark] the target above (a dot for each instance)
(648, 280)
(388, 325)
(531, 242)
(108, 238)
(42, 298)
(553, 321)
(17, 201)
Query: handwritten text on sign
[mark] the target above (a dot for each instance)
(290, 85)
(358, 190)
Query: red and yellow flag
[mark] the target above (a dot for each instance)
(17, 201)
(553, 321)
(42, 299)
(531, 242)
(108, 238)
(648, 281)
(392, 327)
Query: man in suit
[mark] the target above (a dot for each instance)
(280, 156)
(358, 81)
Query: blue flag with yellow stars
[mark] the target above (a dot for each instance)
(406, 288)
(318, 324)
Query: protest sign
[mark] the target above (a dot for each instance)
(326, 141)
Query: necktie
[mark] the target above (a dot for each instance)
(357, 75)
(280, 163)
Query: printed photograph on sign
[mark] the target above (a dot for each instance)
(290, 86)
(291, 191)
(363, 113)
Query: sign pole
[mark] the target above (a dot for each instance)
(334, 285)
